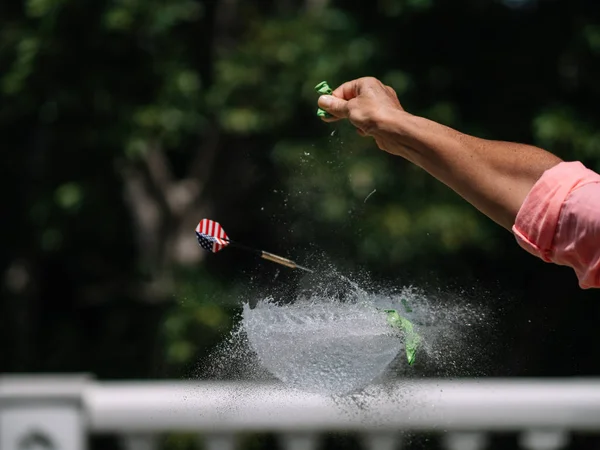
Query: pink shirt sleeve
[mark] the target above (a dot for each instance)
(559, 220)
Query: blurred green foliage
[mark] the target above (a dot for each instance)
(124, 122)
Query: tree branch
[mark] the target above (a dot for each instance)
(224, 24)
(146, 215)
(159, 168)
(202, 164)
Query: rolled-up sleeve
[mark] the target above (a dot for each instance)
(559, 220)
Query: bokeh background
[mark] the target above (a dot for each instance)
(124, 122)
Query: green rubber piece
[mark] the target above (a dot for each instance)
(323, 89)
(412, 340)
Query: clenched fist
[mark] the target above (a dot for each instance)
(373, 108)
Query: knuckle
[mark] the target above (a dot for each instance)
(371, 81)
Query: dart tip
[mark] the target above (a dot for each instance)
(304, 268)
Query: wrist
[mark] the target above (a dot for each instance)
(405, 131)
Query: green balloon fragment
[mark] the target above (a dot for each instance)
(411, 339)
(323, 89)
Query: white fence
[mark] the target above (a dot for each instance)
(57, 413)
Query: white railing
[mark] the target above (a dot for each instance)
(58, 412)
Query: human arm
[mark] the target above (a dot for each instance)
(494, 176)
(552, 207)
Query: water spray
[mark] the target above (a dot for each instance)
(212, 238)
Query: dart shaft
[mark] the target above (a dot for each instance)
(278, 259)
(283, 261)
(270, 257)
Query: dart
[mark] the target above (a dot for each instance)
(212, 238)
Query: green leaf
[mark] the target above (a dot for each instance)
(69, 196)
(41, 8)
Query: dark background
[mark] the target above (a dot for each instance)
(124, 122)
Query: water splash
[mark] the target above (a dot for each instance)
(325, 347)
(333, 338)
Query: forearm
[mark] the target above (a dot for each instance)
(494, 176)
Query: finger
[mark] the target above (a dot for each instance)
(337, 107)
(352, 89)
(348, 90)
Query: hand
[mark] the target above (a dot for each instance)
(372, 107)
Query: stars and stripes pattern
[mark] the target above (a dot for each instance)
(211, 236)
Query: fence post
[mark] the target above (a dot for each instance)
(544, 439)
(42, 413)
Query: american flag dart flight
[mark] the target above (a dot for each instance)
(212, 238)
